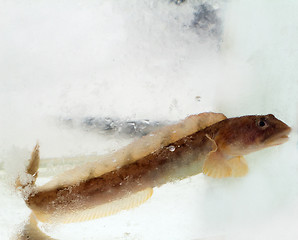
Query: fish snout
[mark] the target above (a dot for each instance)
(281, 136)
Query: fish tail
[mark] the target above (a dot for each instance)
(29, 179)
(26, 183)
(31, 231)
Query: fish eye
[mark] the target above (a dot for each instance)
(262, 123)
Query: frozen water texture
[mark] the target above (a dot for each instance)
(148, 60)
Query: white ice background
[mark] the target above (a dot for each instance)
(142, 59)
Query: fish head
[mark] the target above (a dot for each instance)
(243, 135)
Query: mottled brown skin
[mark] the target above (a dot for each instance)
(232, 137)
(153, 170)
(242, 135)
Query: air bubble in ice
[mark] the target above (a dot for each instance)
(171, 148)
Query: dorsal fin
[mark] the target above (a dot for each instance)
(134, 151)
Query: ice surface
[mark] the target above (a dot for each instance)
(148, 60)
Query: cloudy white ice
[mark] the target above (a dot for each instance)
(158, 60)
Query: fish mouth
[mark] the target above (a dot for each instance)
(279, 138)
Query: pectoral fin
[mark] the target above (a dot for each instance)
(216, 166)
(239, 166)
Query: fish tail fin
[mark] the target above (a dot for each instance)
(30, 177)
(25, 183)
(31, 231)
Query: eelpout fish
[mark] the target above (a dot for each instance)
(207, 142)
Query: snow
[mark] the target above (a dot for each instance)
(148, 60)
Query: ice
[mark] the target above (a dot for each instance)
(161, 61)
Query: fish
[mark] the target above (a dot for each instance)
(208, 143)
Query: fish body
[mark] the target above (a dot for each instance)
(180, 159)
(208, 143)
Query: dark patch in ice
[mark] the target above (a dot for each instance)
(207, 22)
(115, 126)
(178, 2)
